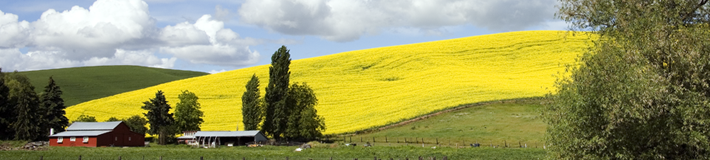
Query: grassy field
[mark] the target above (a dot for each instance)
(489, 123)
(83, 84)
(271, 152)
(363, 89)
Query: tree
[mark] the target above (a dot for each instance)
(53, 106)
(188, 116)
(276, 115)
(160, 120)
(85, 118)
(137, 124)
(112, 119)
(303, 122)
(252, 108)
(642, 91)
(27, 122)
(7, 111)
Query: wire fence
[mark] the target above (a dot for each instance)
(235, 158)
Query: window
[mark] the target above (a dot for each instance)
(129, 138)
(72, 139)
(60, 140)
(86, 139)
(115, 139)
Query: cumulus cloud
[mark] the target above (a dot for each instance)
(112, 32)
(347, 20)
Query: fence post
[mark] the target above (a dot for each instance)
(41, 157)
(79, 157)
(437, 141)
(119, 157)
(420, 158)
(505, 143)
(385, 139)
(373, 139)
(375, 157)
(446, 158)
(286, 158)
(360, 139)
(200, 157)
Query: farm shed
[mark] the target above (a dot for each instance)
(94, 134)
(228, 138)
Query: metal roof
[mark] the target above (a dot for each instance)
(93, 126)
(79, 133)
(226, 133)
(186, 137)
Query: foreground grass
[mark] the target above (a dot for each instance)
(271, 152)
(368, 88)
(496, 123)
(82, 84)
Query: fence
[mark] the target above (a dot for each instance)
(439, 142)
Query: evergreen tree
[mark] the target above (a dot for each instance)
(252, 108)
(27, 124)
(53, 105)
(188, 116)
(276, 117)
(303, 122)
(160, 120)
(7, 113)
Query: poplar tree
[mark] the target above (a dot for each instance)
(276, 117)
(252, 108)
(53, 104)
(158, 117)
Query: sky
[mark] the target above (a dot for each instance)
(221, 35)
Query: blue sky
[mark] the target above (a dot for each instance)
(223, 35)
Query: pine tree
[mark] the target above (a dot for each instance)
(53, 104)
(188, 116)
(26, 106)
(160, 120)
(276, 117)
(7, 113)
(252, 111)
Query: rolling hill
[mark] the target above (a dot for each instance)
(374, 87)
(83, 84)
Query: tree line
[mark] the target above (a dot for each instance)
(287, 112)
(25, 115)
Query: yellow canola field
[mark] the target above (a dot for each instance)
(373, 87)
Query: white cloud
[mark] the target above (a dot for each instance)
(216, 71)
(113, 32)
(346, 20)
(13, 59)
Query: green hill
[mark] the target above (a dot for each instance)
(489, 123)
(83, 84)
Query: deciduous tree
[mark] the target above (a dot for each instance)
(188, 116)
(303, 122)
(137, 124)
(642, 91)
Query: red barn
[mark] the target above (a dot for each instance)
(94, 134)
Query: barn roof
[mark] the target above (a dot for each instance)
(226, 133)
(79, 133)
(93, 126)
